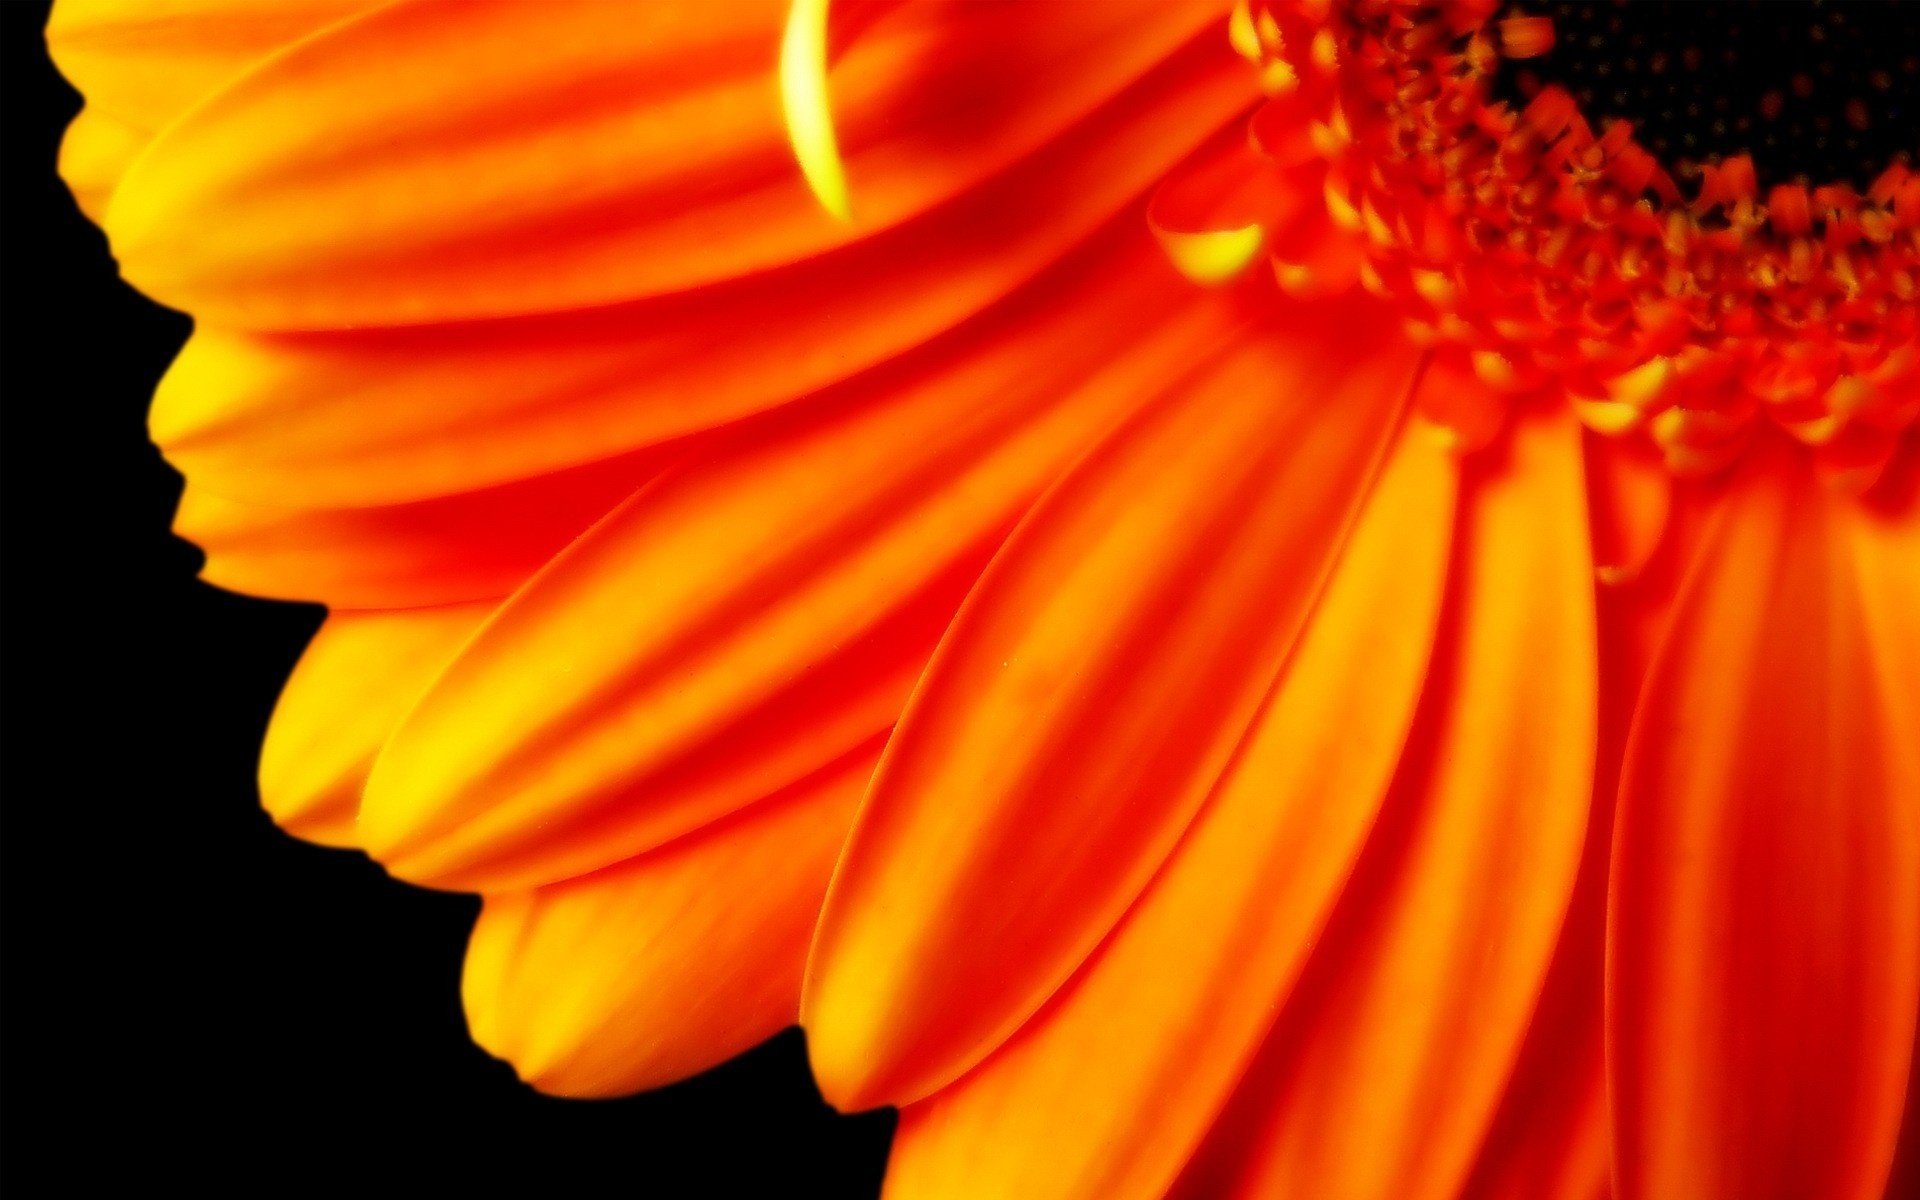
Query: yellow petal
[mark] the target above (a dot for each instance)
(658, 968)
(143, 64)
(358, 675)
(94, 153)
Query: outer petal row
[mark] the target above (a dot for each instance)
(417, 164)
(761, 611)
(1086, 699)
(1135, 1057)
(384, 416)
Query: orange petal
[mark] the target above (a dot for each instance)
(665, 965)
(467, 547)
(1214, 213)
(1887, 548)
(1132, 1060)
(1550, 1139)
(144, 64)
(1764, 943)
(766, 609)
(1632, 496)
(1453, 396)
(418, 164)
(385, 416)
(94, 153)
(1085, 701)
(1383, 1074)
(358, 675)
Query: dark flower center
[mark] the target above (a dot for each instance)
(1817, 91)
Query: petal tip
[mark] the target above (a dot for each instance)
(852, 1046)
(1213, 257)
(842, 1070)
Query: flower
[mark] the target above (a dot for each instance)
(1425, 709)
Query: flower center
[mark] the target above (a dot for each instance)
(1815, 93)
(1691, 221)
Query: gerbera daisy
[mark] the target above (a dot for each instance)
(1319, 599)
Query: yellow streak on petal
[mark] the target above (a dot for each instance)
(1818, 431)
(1610, 417)
(1241, 34)
(1213, 256)
(1644, 385)
(807, 107)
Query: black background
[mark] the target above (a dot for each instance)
(190, 996)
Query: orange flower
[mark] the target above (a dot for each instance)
(1438, 717)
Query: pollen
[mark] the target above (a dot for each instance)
(1689, 221)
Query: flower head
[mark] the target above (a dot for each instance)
(1424, 706)
(1582, 212)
